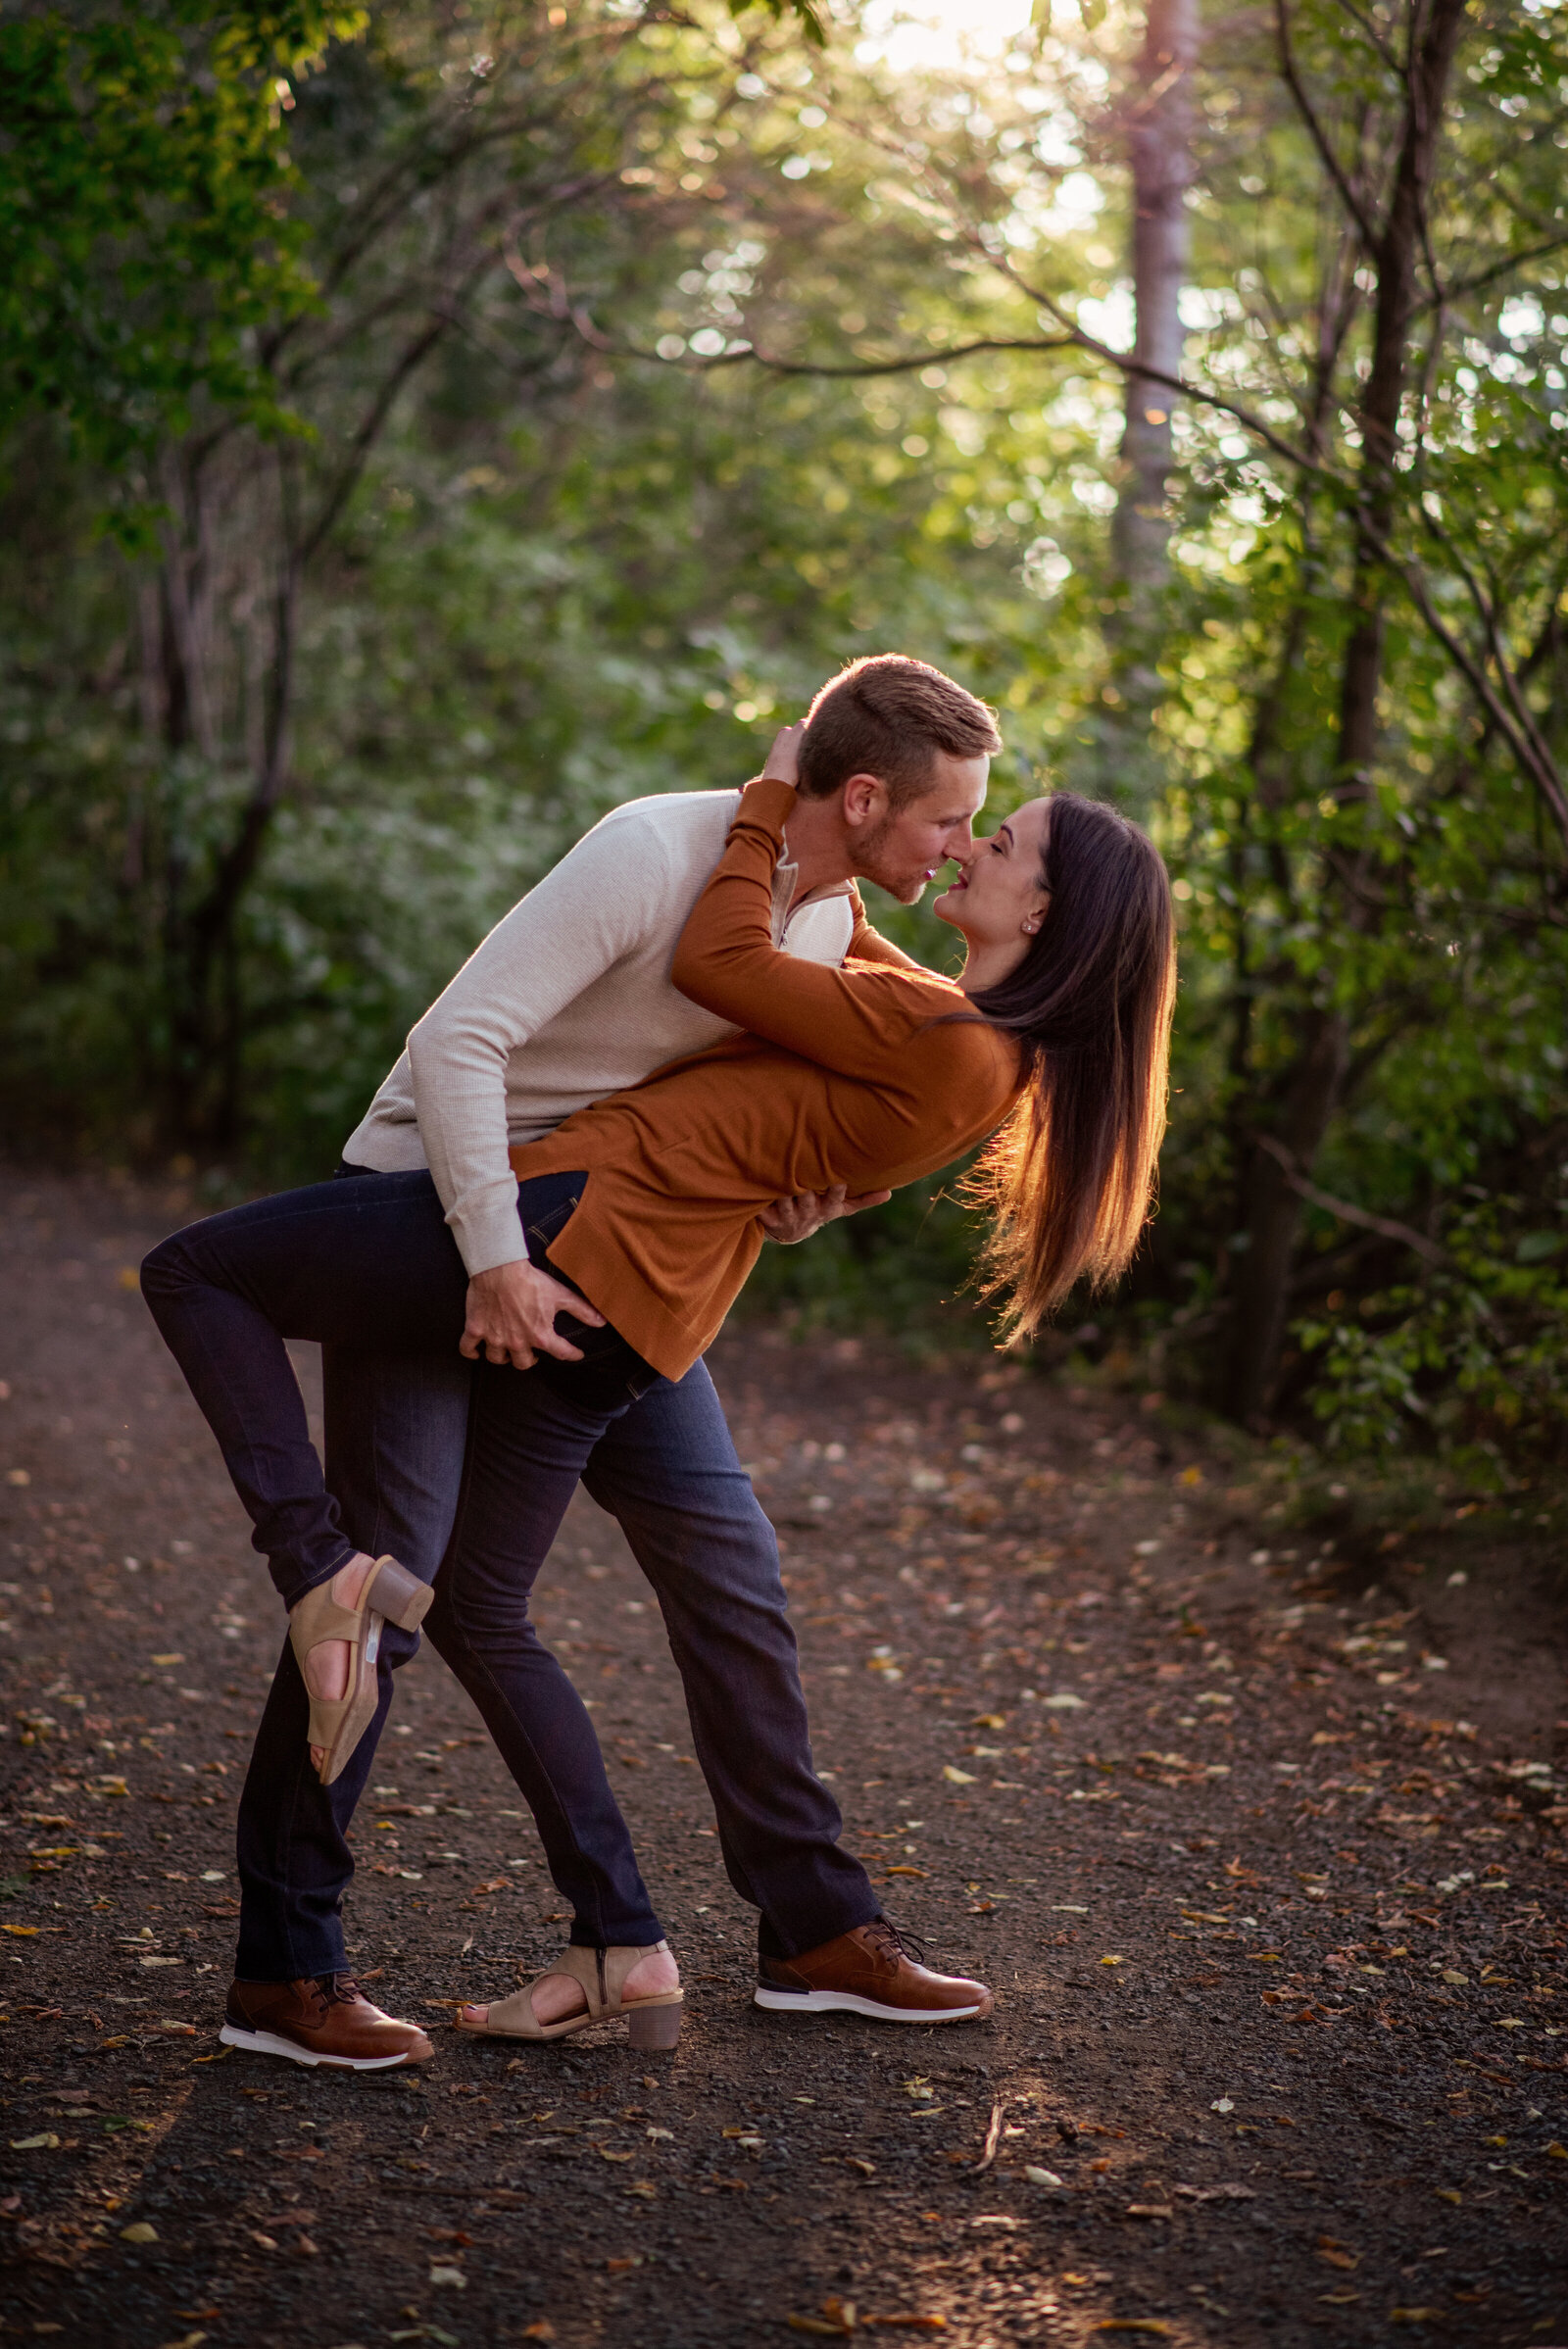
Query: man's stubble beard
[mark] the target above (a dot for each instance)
(906, 888)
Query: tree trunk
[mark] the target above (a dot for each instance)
(1160, 153)
(1311, 1092)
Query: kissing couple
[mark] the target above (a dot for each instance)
(687, 1038)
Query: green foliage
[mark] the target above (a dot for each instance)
(577, 545)
(144, 237)
(1475, 1356)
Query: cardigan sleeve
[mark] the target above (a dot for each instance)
(854, 1021)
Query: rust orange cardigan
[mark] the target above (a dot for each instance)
(842, 1077)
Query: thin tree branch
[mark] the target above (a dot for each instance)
(887, 367)
(1485, 608)
(365, 437)
(1510, 261)
(1542, 774)
(1319, 137)
(1383, 1225)
(1375, 37)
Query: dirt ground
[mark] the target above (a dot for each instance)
(1257, 1840)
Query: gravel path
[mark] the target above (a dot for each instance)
(1258, 1842)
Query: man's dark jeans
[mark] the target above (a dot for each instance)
(663, 1463)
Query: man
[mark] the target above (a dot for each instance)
(566, 1001)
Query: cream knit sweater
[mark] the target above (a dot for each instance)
(568, 999)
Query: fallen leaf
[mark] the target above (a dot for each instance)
(1449, 2195)
(268, 2242)
(1114, 1961)
(1064, 1701)
(141, 2232)
(1221, 2194)
(909, 2323)
(1150, 2210)
(23, 1933)
(605, 2155)
(186, 2340)
(1043, 2177)
(164, 1661)
(541, 2329)
(45, 2142)
(1556, 2152)
(819, 2326)
(1222, 2104)
(954, 1778)
(450, 2276)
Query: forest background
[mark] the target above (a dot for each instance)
(425, 426)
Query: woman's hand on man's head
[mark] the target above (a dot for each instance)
(783, 760)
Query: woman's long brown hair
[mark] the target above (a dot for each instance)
(1070, 1177)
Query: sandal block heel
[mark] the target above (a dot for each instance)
(397, 1595)
(391, 1595)
(649, 2027)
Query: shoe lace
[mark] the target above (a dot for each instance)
(338, 1990)
(897, 1940)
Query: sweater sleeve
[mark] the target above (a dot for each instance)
(564, 934)
(849, 1020)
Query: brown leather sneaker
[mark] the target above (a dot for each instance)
(328, 2021)
(872, 1971)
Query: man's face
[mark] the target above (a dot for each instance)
(901, 848)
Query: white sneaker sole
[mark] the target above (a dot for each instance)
(845, 2002)
(266, 2043)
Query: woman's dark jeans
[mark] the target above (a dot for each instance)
(371, 1264)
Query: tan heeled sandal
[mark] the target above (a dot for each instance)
(391, 1595)
(601, 1975)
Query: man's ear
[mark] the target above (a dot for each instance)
(865, 800)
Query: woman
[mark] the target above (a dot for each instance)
(646, 1203)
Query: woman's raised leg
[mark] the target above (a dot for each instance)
(364, 1263)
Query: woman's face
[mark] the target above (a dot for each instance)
(998, 898)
